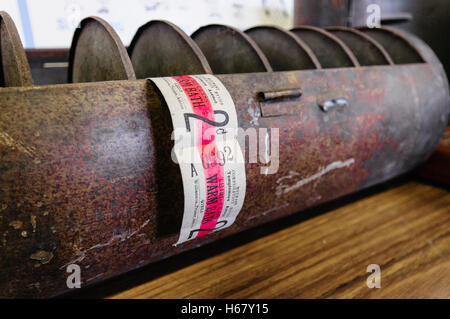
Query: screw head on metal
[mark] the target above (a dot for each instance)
(333, 103)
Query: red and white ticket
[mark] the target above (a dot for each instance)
(207, 150)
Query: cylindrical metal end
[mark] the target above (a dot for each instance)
(229, 50)
(160, 48)
(367, 50)
(14, 67)
(330, 50)
(401, 50)
(283, 49)
(98, 54)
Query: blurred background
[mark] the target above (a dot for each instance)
(51, 23)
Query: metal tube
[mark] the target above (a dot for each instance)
(86, 175)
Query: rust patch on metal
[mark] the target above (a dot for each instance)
(43, 256)
(98, 54)
(160, 48)
(229, 50)
(14, 68)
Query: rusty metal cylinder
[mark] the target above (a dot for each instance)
(87, 176)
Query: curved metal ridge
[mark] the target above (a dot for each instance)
(230, 50)
(367, 50)
(396, 44)
(331, 53)
(289, 53)
(160, 48)
(98, 54)
(14, 67)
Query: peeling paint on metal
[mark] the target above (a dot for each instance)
(16, 224)
(7, 140)
(283, 189)
(123, 236)
(43, 256)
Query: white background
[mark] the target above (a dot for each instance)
(52, 22)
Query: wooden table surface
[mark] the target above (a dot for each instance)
(404, 228)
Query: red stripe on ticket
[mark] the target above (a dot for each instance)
(206, 145)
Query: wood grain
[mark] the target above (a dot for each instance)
(437, 167)
(405, 230)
